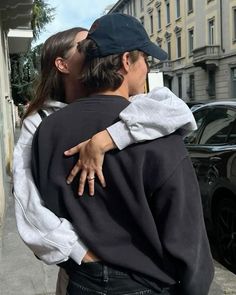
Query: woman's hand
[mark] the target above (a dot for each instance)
(89, 164)
(90, 257)
(91, 157)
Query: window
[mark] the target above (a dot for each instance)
(180, 86)
(218, 125)
(169, 49)
(200, 118)
(168, 82)
(177, 8)
(130, 8)
(232, 136)
(159, 19)
(159, 41)
(141, 5)
(190, 41)
(211, 31)
(233, 82)
(191, 93)
(151, 24)
(167, 13)
(178, 41)
(190, 6)
(134, 7)
(142, 20)
(211, 88)
(234, 23)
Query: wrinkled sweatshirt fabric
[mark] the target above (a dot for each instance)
(54, 239)
(149, 217)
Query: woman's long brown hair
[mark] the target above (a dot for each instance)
(51, 85)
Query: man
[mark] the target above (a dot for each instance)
(146, 228)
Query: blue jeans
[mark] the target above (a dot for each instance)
(95, 278)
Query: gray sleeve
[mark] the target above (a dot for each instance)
(121, 135)
(150, 116)
(52, 239)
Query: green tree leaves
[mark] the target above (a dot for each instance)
(41, 16)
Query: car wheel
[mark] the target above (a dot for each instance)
(225, 226)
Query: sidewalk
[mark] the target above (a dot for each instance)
(22, 274)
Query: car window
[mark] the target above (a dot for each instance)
(200, 117)
(218, 125)
(232, 136)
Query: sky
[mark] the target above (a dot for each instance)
(73, 13)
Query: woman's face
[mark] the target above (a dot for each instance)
(75, 59)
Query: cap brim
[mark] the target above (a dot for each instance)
(155, 51)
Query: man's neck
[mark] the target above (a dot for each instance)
(73, 91)
(121, 91)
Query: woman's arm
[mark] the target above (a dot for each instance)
(149, 116)
(51, 238)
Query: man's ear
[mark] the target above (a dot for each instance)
(61, 65)
(126, 61)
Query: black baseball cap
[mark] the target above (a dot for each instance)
(117, 33)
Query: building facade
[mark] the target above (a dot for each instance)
(200, 38)
(15, 37)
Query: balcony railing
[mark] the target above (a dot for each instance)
(178, 63)
(206, 55)
(165, 66)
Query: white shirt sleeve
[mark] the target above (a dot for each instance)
(52, 239)
(150, 116)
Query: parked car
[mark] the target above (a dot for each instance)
(194, 104)
(212, 148)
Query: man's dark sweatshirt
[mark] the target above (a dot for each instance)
(148, 219)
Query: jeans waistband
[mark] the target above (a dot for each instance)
(105, 271)
(98, 268)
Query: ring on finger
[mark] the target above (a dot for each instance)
(90, 178)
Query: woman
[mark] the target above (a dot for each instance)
(50, 238)
(53, 239)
